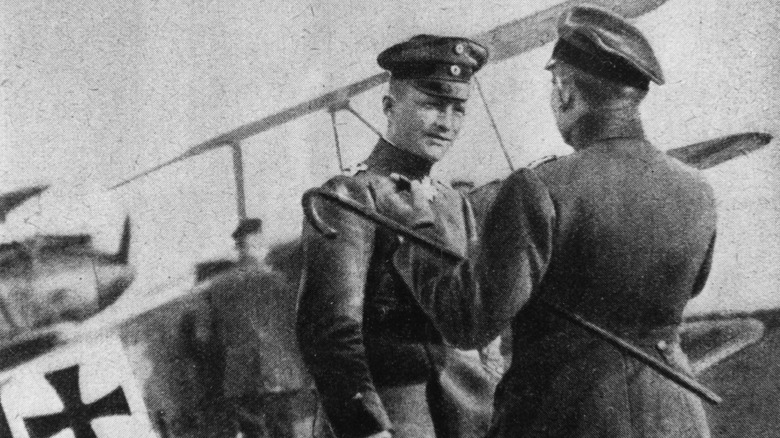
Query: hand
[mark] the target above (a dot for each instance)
(382, 434)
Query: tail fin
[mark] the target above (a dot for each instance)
(122, 256)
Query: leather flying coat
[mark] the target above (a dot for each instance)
(358, 326)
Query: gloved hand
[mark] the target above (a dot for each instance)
(492, 359)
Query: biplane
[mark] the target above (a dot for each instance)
(160, 388)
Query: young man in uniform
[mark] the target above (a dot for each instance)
(617, 233)
(366, 342)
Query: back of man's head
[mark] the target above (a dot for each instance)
(598, 92)
(607, 59)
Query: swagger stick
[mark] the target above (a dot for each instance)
(361, 210)
(348, 204)
(665, 370)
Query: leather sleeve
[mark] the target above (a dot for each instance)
(471, 302)
(330, 314)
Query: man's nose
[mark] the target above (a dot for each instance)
(445, 119)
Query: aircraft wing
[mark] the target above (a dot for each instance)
(505, 41)
(713, 152)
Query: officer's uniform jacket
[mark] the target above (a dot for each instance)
(359, 328)
(617, 232)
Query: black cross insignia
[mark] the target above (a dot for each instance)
(76, 415)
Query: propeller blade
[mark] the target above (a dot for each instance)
(13, 199)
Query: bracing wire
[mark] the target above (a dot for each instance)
(495, 127)
(336, 138)
(349, 108)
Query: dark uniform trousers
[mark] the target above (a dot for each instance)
(618, 233)
(368, 345)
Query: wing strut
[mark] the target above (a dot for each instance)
(336, 139)
(495, 127)
(238, 171)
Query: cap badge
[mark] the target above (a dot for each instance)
(459, 49)
(455, 70)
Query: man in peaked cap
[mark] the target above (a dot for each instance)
(617, 233)
(368, 345)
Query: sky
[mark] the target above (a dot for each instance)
(93, 92)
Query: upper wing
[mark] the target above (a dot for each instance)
(505, 41)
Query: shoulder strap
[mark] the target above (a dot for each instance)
(541, 161)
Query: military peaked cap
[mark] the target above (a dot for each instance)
(606, 45)
(437, 65)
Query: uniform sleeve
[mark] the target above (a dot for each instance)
(711, 221)
(472, 301)
(330, 315)
(704, 271)
(481, 199)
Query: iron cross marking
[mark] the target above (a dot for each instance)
(76, 415)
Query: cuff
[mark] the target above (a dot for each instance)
(422, 219)
(360, 416)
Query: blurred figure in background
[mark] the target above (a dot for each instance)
(248, 343)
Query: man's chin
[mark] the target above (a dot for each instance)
(434, 151)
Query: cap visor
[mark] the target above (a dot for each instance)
(447, 89)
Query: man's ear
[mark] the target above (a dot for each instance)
(565, 94)
(388, 103)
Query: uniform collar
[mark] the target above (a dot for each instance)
(386, 159)
(606, 126)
